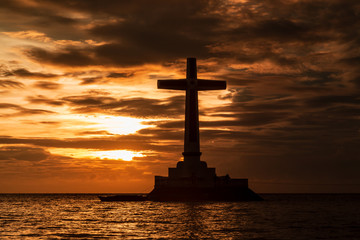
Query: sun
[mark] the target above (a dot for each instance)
(112, 124)
(124, 155)
(119, 124)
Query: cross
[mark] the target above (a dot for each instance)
(191, 85)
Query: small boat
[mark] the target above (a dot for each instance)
(124, 198)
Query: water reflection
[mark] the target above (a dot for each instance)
(194, 220)
(85, 217)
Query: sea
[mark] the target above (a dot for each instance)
(84, 216)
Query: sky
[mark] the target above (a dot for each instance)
(80, 110)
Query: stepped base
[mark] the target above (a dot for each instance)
(206, 188)
(194, 181)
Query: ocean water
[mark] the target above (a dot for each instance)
(83, 216)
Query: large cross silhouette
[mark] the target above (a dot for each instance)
(191, 85)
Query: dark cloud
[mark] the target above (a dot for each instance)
(50, 123)
(47, 85)
(238, 120)
(91, 80)
(142, 107)
(86, 100)
(22, 72)
(15, 153)
(279, 31)
(140, 8)
(328, 100)
(259, 119)
(98, 103)
(102, 80)
(133, 142)
(317, 78)
(99, 77)
(171, 30)
(120, 75)
(66, 57)
(136, 107)
(94, 133)
(21, 111)
(37, 15)
(11, 84)
(238, 95)
(251, 120)
(98, 92)
(44, 100)
(113, 54)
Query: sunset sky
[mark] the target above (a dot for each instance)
(80, 110)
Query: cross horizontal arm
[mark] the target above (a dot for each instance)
(203, 85)
(172, 84)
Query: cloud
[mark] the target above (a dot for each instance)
(133, 142)
(328, 100)
(47, 85)
(66, 57)
(120, 75)
(40, 13)
(135, 107)
(15, 153)
(22, 72)
(95, 133)
(21, 111)
(87, 100)
(238, 95)
(166, 34)
(91, 80)
(44, 100)
(251, 32)
(33, 35)
(11, 84)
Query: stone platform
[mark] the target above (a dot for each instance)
(188, 182)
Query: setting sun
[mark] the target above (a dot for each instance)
(111, 124)
(118, 125)
(117, 155)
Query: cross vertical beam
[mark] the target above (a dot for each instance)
(191, 85)
(191, 138)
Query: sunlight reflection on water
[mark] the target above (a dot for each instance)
(83, 216)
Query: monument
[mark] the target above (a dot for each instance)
(192, 180)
